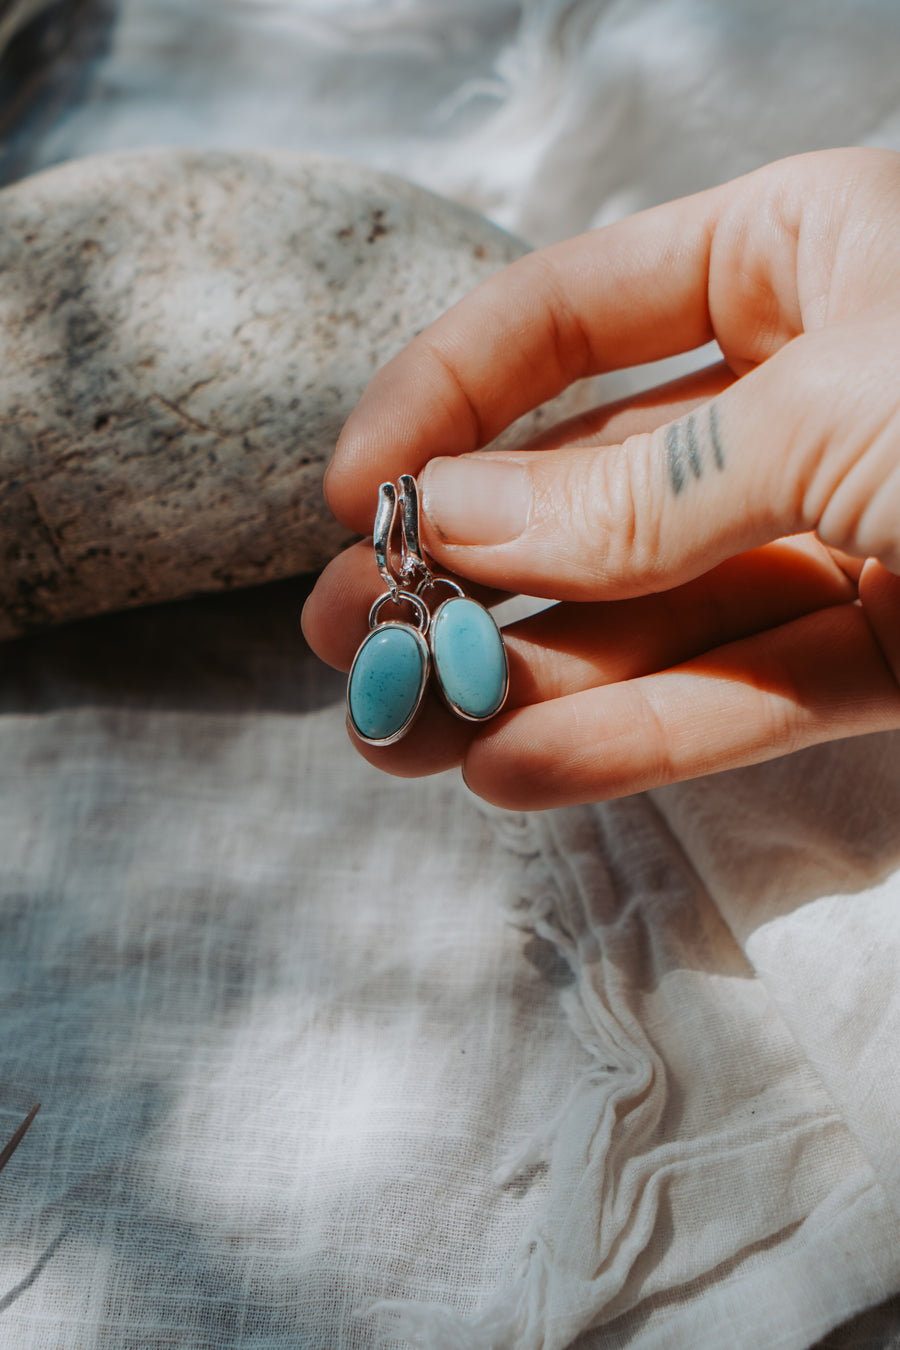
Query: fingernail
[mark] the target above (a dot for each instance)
(475, 501)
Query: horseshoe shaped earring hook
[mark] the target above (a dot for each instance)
(413, 567)
(381, 536)
(390, 670)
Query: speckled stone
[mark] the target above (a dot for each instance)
(182, 336)
(387, 682)
(469, 658)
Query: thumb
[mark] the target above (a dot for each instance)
(795, 445)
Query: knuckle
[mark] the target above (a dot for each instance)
(567, 335)
(842, 464)
(660, 760)
(615, 508)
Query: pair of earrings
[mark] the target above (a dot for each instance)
(459, 641)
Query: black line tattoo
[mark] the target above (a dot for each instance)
(715, 436)
(691, 444)
(673, 457)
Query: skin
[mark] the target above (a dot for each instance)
(725, 551)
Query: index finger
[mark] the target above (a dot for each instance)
(627, 294)
(723, 263)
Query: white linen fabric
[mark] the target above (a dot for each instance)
(725, 1172)
(330, 1061)
(279, 1026)
(305, 1084)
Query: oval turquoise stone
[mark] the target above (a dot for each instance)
(469, 658)
(386, 682)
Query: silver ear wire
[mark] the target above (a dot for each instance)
(459, 641)
(390, 670)
(381, 535)
(413, 566)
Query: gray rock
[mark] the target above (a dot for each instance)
(182, 335)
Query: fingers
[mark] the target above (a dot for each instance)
(335, 621)
(879, 596)
(568, 648)
(818, 678)
(621, 639)
(589, 522)
(438, 741)
(350, 583)
(795, 271)
(612, 423)
(335, 617)
(821, 677)
(522, 337)
(750, 263)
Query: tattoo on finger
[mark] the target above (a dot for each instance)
(691, 445)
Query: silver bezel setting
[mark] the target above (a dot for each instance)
(425, 651)
(454, 707)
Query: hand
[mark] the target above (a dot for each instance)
(691, 634)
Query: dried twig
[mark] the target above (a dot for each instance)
(9, 1149)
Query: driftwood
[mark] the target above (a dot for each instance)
(182, 335)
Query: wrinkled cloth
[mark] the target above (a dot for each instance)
(725, 1172)
(280, 1029)
(548, 116)
(326, 1057)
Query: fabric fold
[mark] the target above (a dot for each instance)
(699, 1153)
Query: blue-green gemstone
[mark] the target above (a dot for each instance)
(469, 658)
(387, 681)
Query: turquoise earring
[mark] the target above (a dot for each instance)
(390, 670)
(467, 650)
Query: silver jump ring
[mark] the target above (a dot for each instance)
(428, 583)
(397, 597)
